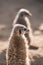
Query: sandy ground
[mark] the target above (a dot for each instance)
(8, 9)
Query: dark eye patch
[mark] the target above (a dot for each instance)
(20, 31)
(25, 29)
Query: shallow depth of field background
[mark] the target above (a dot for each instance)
(8, 10)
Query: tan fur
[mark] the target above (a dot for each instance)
(17, 52)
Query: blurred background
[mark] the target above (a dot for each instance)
(8, 11)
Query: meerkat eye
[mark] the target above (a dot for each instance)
(20, 31)
(25, 29)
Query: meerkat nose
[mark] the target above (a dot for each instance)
(28, 30)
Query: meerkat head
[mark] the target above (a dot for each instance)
(20, 29)
(20, 17)
(24, 12)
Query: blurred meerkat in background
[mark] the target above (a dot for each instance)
(22, 17)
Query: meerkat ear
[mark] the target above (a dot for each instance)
(19, 31)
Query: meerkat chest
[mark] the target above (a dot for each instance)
(26, 42)
(25, 39)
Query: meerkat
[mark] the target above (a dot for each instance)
(17, 52)
(22, 17)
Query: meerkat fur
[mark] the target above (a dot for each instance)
(17, 51)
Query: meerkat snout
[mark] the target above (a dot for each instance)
(24, 31)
